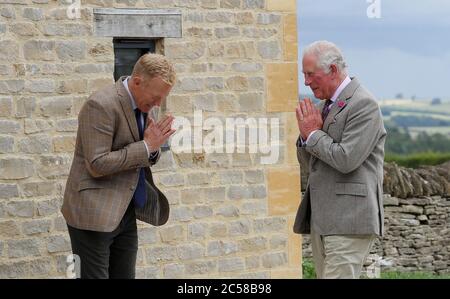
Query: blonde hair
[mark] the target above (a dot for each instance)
(155, 65)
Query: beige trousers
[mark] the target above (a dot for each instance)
(340, 256)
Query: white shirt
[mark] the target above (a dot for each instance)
(333, 99)
(133, 103)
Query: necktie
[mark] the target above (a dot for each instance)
(326, 109)
(140, 195)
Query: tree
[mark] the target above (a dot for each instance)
(436, 101)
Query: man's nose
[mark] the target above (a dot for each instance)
(307, 82)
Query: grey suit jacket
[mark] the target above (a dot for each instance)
(105, 168)
(345, 160)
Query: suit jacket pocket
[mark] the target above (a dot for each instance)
(90, 184)
(357, 189)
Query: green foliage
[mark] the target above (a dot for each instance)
(419, 121)
(309, 271)
(436, 101)
(411, 152)
(417, 159)
(400, 142)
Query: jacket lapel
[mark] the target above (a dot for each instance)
(127, 108)
(345, 96)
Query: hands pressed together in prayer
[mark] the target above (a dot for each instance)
(309, 118)
(156, 134)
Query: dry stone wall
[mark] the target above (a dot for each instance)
(417, 220)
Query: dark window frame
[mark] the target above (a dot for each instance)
(124, 47)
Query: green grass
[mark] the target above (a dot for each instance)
(310, 273)
(419, 109)
(417, 159)
(433, 114)
(308, 269)
(412, 275)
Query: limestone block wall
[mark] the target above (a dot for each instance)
(231, 215)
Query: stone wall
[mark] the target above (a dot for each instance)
(417, 227)
(231, 216)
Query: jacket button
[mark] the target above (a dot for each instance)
(131, 188)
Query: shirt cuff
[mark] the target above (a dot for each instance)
(153, 155)
(309, 136)
(148, 152)
(300, 142)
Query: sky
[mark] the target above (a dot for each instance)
(406, 50)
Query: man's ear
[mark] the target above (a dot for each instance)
(333, 69)
(136, 80)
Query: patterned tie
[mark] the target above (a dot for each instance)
(326, 109)
(140, 195)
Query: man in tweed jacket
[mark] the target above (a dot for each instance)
(342, 145)
(110, 182)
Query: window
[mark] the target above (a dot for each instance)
(127, 52)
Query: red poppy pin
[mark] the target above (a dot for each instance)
(341, 104)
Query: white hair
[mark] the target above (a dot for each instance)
(327, 54)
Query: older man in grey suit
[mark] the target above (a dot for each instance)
(341, 142)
